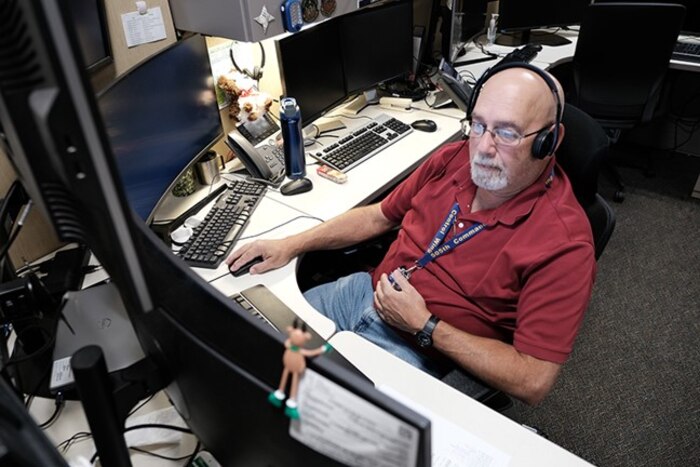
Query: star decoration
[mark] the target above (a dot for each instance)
(264, 19)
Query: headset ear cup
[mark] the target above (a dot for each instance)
(257, 73)
(543, 144)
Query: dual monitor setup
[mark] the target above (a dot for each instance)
(162, 115)
(88, 164)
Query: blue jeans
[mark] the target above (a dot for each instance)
(349, 302)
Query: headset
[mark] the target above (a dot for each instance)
(257, 72)
(546, 140)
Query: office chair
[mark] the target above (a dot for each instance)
(621, 58)
(583, 149)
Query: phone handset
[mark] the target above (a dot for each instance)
(265, 162)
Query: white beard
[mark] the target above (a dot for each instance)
(488, 179)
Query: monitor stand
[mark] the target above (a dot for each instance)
(529, 36)
(363, 100)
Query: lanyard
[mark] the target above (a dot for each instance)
(438, 247)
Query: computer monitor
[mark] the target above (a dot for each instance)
(326, 63)
(691, 23)
(468, 20)
(312, 69)
(219, 361)
(517, 19)
(161, 116)
(376, 44)
(90, 22)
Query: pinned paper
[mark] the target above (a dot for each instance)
(143, 27)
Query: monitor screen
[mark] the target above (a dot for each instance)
(473, 18)
(691, 23)
(312, 70)
(89, 20)
(468, 20)
(520, 16)
(160, 117)
(376, 44)
(326, 63)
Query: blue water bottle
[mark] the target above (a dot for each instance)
(293, 137)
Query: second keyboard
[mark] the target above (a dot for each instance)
(687, 51)
(358, 146)
(215, 236)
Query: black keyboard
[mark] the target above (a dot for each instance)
(361, 144)
(215, 236)
(524, 54)
(687, 51)
(261, 303)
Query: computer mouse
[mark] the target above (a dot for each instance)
(300, 185)
(424, 125)
(245, 269)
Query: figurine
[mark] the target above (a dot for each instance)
(294, 360)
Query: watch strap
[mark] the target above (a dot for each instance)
(425, 335)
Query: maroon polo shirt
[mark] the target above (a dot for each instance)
(526, 279)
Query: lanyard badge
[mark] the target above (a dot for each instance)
(438, 246)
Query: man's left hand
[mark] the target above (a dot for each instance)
(403, 309)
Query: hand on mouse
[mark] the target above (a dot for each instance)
(275, 254)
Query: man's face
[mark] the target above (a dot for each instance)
(509, 106)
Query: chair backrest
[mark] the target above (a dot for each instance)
(621, 58)
(584, 146)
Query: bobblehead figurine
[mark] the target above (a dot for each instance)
(294, 360)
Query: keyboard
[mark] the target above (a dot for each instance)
(356, 147)
(261, 303)
(524, 54)
(212, 240)
(686, 51)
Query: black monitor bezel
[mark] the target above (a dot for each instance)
(215, 139)
(347, 41)
(307, 34)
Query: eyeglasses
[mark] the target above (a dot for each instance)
(502, 136)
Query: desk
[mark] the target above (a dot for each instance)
(325, 201)
(372, 177)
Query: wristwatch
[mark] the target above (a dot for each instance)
(424, 337)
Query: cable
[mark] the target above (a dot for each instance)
(60, 404)
(281, 225)
(160, 456)
(66, 444)
(194, 454)
(151, 425)
(138, 407)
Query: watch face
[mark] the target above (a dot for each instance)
(424, 340)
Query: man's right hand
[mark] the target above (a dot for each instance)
(275, 254)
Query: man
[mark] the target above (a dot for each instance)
(500, 253)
